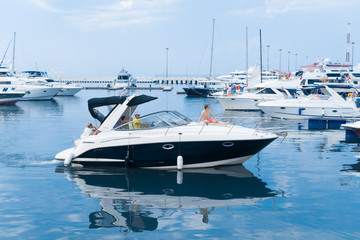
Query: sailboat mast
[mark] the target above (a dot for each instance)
(2, 60)
(13, 60)
(260, 59)
(247, 58)
(212, 49)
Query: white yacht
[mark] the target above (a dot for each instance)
(324, 104)
(165, 139)
(267, 91)
(66, 89)
(340, 77)
(236, 77)
(124, 79)
(252, 76)
(33, 90)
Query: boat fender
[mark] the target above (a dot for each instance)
(299, 110)
(68, 158)
(127, 160)
(179, 177)
(180, 162)
(323, 112)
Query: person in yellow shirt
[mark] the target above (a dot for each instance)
(137, 123)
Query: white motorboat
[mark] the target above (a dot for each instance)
(66, 89)
(124, 79)
(267, 91)
(343, 78)
(326, 104)
(154, 195)
(34, 90)
(167, 140)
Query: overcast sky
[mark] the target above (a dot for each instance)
(98, 38)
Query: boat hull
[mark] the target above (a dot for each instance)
(10, 98)
(236, 103)
(39, 93)
(307, 112)
(355, 127)
(66, 91)
(164, 154)
(199, 92)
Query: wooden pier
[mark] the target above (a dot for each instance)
(150, 80)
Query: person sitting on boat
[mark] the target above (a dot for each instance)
(89, 130)
(137, 123)
(122, 121)
(205, 115)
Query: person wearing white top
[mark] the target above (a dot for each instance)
(89, 130)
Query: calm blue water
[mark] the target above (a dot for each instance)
(306, 187)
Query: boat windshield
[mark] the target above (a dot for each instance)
(5, 74)
(123, 77)
(163, 119)
(34, 74)
(266, 91)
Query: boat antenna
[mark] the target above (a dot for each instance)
(212, 49)
(2, 60)
(247, 58)
(260, 58)
(13, 60)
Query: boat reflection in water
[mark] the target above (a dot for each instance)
(135, 199)
(354, 168)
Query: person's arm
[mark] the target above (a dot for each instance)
(213, 115)
(201, 116)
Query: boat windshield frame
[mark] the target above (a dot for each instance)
(161, 119)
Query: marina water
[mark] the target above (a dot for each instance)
(301, 187)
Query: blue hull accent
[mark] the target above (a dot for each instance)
(351, 137)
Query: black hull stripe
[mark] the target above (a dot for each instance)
(154, 155)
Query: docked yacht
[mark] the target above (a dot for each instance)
(165, 139)
(235, 77)
(267, 91)
(251, 76)
(124, 79)
(33, 89)
(66, 89)
(325, 103)
(343, 78)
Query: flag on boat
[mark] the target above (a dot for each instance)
(123, 92)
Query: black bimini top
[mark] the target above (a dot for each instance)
(115, 100)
